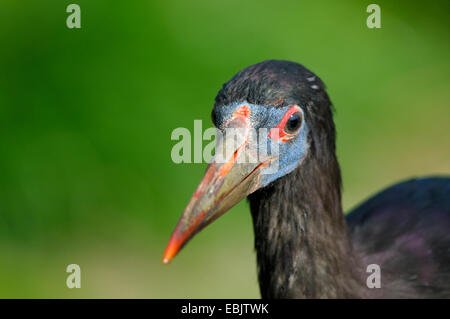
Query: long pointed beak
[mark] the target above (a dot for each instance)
(226, 182)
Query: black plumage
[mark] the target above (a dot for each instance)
(306, 247)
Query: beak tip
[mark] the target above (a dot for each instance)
(170, 252)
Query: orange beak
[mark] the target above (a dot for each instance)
(226, 182)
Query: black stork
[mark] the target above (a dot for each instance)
(306, 247)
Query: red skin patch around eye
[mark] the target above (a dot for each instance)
(282, 135)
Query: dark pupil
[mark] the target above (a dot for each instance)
(293, 123)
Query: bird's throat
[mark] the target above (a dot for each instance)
(301, 241)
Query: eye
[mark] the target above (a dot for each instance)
(293, 123)
(289, 125)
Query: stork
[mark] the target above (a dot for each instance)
(305, 246)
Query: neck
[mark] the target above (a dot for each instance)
(301, 241)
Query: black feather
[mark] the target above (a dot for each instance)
(305, 247)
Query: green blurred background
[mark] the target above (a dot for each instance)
(86, 117)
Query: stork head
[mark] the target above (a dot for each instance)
(269, 117)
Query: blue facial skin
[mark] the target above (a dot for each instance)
(290, 153)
